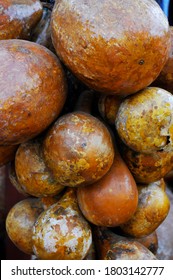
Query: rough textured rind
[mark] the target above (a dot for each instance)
(18, 18)
(20, 221)
(32, 173)
(32, 90)
(115, 47)
(147, 168)
(78, 149)
(144, 120)
(61, 232)
(113, 199)
(153, 208)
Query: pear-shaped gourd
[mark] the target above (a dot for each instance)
(61, 232)
(153, 208)
(113, 199)
(110, 246)
(20, 221)
(32, 173)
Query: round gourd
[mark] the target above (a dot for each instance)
(32, 173)
(20, 221)
(78, 149)
(61, 232)
(115, 47)
(32, 90)
(153, 208)
(144, 120)
(147, 168)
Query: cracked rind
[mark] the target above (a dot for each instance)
(18, 18)
(32, 173)
(33, 90)
(153, 208)
(144, 120)
(78, 149)
(115, 47)
(61, 232)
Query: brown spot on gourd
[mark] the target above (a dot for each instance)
(141, 62)
(60, 211)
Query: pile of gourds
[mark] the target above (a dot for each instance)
(86, 126)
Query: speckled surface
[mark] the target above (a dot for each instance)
(32, 173)
(115, 47)
(147, 168)
(32, 94)
(61, 232)
(20, 221)
(153, 208)
(111, 246)
(78, 149)
(144, 120)
(18, 18)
